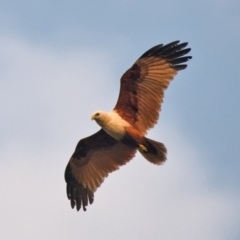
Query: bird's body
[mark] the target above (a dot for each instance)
(123, 130)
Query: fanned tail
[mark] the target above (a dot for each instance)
(154, 152)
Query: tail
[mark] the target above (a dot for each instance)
(154, 152)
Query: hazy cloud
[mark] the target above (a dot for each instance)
(46, 101)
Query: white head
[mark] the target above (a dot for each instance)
(100, 117)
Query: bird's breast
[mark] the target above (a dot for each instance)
(115, 127)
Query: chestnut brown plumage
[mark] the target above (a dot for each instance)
(124, 129)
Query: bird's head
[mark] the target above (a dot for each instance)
(96, 115)
(100, 117)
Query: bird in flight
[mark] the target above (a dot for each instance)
(123, 130)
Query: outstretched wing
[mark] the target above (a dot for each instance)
(94, 158)
(143, 85)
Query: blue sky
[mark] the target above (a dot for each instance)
(62, 60)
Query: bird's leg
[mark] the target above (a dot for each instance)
(135, 138)
(142, 148)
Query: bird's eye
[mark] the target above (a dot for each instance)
(97, 114)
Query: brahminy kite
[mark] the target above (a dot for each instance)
(123, 130)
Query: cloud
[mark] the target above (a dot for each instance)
(38, 84)
(48, 98)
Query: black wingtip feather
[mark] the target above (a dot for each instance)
(176, 54)
(172, 52)
(171, 44)
(179, 60)
(180, 67)
(151, 50)
(78, 195)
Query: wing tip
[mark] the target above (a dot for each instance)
(78, 195)
(172, 52)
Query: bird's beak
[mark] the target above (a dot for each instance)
(92, 117)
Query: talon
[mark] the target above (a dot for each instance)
(142, 148)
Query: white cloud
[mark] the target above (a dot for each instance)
(50, 96)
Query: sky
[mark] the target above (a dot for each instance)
(62, 60)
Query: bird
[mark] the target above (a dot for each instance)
(124, 129)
